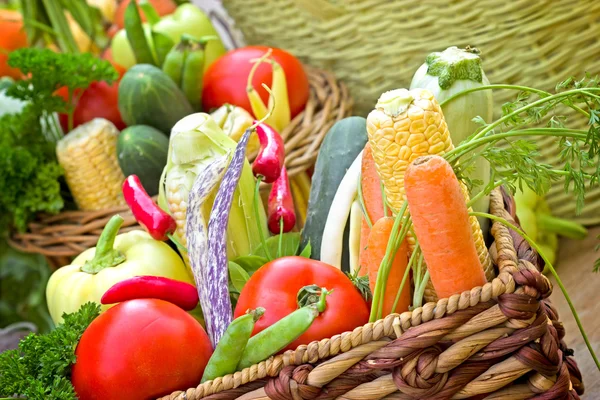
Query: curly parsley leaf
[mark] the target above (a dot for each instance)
(30, 181)
(41, 367)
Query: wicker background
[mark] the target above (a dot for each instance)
(377, 45)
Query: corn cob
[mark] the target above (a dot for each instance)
(404, 126)
(88, 154)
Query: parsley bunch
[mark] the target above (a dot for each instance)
(30, 172)
(41, 367)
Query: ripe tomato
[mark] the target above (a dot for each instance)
(140, 349)
(162, 7)
(275, 287)
(12, 37)
(99, 100)
(225, 80)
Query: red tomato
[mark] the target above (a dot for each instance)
(12, 37)
(99, 100)
(225, 80)
(140, 349)
(275, 287)
(162, 7)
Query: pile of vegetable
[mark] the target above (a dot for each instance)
(397, 211)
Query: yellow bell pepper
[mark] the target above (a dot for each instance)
(115, 258)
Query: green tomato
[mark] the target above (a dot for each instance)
(122, 52)
(189, 19)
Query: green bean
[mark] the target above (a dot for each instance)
(279, 335)
(229, 351)
(136, 36)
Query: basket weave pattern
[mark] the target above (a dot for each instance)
(63, 236)
(377, 45)
(499, 341)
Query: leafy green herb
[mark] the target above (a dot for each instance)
(30, 181)
(41, 367)
(306, 251)
(251, 263)
(362, 284)
(289, 246)
(49, 71)
(238, 276)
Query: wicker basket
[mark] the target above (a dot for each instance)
(63, 236)
(377, 45)
(499, 341)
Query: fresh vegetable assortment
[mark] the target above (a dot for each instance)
(397, 210)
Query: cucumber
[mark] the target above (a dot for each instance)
(142, 150)
(148, 96)
(344, 141)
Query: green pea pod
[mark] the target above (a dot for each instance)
(231, 346)
(276, 337)
(162, 46)
(192, 81)
(136, 37)
(175, 62)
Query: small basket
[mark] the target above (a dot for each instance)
(377, 45)
(63, 236)
(499, 341)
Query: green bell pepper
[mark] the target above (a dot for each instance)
(538, 223)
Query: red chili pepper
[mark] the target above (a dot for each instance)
(182, 294)
(281, 205)
(157, 222)
(270, 159)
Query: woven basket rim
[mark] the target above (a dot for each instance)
(369, 336)
(68, 233)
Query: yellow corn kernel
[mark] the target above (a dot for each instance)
(88, 155)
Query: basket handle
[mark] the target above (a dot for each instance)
(321, 9)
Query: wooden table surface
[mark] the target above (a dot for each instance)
(574, 266)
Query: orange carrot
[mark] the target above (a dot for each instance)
(441, 223)
(371, 186)
(363, 260)
(373, 201)
(376, 247)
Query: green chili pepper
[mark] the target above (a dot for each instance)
(276, 337)
(231, 346)
(192, 80)
(175, 61)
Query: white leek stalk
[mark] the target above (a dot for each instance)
(446, 74)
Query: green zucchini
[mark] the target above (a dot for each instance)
(142, 150)
(344, 141)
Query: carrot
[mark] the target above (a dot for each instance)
(363, 261)
(371, 186)
(376, 248)
(373, 202)
(441, 223)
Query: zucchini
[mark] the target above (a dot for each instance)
(342, 144)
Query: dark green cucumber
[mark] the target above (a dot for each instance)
(142, 150)
(344, 141)
(148, 96)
